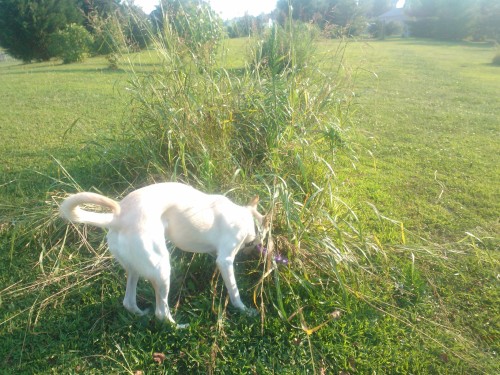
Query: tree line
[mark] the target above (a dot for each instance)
(454, 19)
(42, 29)
(438, 19)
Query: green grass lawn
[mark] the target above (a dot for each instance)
(429, 114)
(52, 111)
(425, 127)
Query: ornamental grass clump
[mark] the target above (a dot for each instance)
(273, 128)
(270, 129)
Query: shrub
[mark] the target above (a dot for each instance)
(381, 29)
(496, 59)
(71, 44)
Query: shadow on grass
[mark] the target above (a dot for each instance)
(63, 69)
(444, 43)
(91, 168)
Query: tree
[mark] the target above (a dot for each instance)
(455, 19)
(442, 19)
(425, 14)
(346, 14)
(487, 22)
(26, 25)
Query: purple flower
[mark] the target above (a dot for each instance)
(278, 258)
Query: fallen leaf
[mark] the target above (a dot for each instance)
(333, 316)
(443, 357)
(336, 314)
(352, 363)
(158, 357)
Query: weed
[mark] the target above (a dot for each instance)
(496, 59)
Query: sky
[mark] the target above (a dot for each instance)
(229, 9)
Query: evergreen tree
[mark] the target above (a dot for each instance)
(26, 25)
(442, 19)
(487, 21)
(455, 19)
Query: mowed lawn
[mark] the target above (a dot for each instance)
(425, 135)
(429, 116)
(49, 111)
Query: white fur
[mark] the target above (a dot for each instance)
(193, 221)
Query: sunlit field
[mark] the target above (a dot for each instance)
(390, 221)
